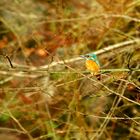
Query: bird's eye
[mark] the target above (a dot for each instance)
(87, 56)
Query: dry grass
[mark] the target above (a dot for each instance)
(46, 91)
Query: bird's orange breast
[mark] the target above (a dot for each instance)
(92, 66)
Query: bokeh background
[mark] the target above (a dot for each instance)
(41, 99)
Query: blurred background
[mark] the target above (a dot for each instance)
(41, 99)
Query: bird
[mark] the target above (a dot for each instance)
(92, 64)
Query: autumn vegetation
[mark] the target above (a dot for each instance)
(46, 92)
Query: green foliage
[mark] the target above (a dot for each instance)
(4, 118)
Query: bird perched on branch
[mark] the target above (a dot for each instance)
(92, 64)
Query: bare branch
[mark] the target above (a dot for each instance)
(9, 60)
(121, 45)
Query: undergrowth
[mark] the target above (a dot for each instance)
(46, 93)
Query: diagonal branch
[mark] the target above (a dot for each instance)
(125, 45)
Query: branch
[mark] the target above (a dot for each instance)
(9, 60)
(125, 45)
(127, 17)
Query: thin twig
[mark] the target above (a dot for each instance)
(20, 126)
(11, 130)
(122, 45)
(9, 60)
(36, 74)
(44, 20)
(108, 89)
(19, 74)
(6, 80)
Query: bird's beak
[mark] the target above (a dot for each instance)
(83, 56)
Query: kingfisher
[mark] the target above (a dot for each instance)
(92, 64)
